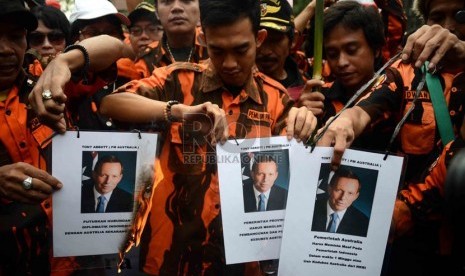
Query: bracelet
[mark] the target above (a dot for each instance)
(86, 66)
(168, 117)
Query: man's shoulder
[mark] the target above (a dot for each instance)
(122, 193)
(87, 190)
(247, 186)
(269, 84)
(87, 184)
(178, 68)
(320, 202)
(355, 212)
(279, 188)
(185, 66)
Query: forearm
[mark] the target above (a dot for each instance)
(304, 16)
(359, 118)
(129, 107)
(103, 51)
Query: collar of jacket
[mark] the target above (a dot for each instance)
(212, 82)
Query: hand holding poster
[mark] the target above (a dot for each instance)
(101, 172)
(337, 223)
(254, 179)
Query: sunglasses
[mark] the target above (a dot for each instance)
(149, 30)
(55, 37)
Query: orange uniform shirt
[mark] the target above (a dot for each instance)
(184, 228)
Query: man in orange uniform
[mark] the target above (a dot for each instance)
(184, 230)
(441, 42)
(423, 203)
(180, 42)
(446, 60)
(25, 186)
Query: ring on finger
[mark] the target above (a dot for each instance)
(27, 183)
(46, 94)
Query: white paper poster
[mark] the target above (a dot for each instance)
(102, 173)
(338, 223)
(252, 226)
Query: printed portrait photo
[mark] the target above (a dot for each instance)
(344, 200)
(265, 180)
(108, 181)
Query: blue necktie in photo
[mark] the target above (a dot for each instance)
(261, 203)
(333, 223)
(101, 204)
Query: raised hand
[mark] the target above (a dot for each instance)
(437, 45)
(300, 123)
(48, 97)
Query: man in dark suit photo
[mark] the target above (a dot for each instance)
(263, 194)
(101, 194)
(336, 214)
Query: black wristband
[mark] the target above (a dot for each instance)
(84, 52)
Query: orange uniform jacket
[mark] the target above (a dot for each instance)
(418, 136)
(24, 235)
(426, 199)
(184, 227)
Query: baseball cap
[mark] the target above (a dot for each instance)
(276, 15)
(16, 9)
(146, 10)
(91, 9)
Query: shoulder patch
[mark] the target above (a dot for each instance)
(379, 82)
(272, 82)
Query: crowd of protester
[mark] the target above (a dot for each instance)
(162, 67)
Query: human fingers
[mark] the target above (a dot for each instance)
(219, 131)
(317, 111)
(55, 121)
(23, 182)
(314, 101)
(35, 98)
(45, 181)
(309, 126)
(54, 108)
(448, 44)
(58, 83)
(311, 84)
(18, 193)
(407, 51)
(427, 45)
(60, 126)
(47, 109)
(312, 97)
(341, 143)
(298, 122)
(339, 135)
(290, 122)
